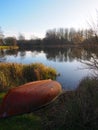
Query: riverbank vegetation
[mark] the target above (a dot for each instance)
(12, 74)
(74, 110)
(22, 122)
(9, 47)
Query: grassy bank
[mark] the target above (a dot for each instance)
(73, 110)
(23, 122)
(8, 47)
(12, 75)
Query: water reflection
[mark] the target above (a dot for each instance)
(67, 61)
(2, 55)
(54, 54)
(68, 54)
(22, 53)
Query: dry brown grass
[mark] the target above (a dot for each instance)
(12, 74)
(73, 110)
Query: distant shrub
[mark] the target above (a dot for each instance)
(12, 74)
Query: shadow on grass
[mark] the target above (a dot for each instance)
(23, 122)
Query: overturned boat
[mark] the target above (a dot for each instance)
(29, 97)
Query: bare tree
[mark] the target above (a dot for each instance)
(93, 24)
(92, 65)
(1, 34)
(1, 37)
(21, 37)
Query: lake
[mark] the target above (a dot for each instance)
(67, 62)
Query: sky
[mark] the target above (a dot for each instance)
(33, 18)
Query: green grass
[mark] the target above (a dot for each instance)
(12, 74)
(23, 122)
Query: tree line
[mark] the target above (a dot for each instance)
(53, 37)
(71, 35)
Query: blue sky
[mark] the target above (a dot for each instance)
(35, 17)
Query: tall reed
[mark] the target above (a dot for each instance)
(12, 74)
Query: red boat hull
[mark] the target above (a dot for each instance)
(29, 97)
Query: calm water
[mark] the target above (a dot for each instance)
(66, 61)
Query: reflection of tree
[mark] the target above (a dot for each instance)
(51, 53)
(69, 54)
(2, 55)
(35, 53)
(22, 54)
(11, 52)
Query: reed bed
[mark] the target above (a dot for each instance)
(13, 74)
